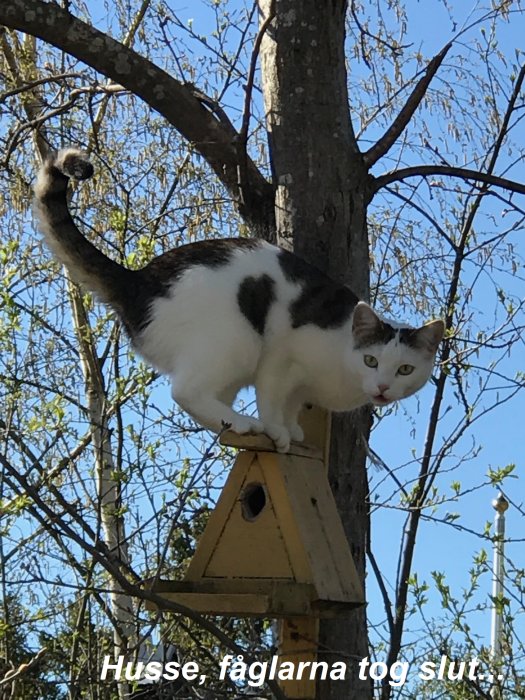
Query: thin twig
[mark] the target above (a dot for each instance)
(35, 83)
(243, 134)
(384, 593)
(410, 202)
(238, 52)
(396, 50)
(122, 572)
(127, 42)
(393, 132)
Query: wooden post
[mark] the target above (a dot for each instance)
(298, 641)
(299, 636)
(282, 507)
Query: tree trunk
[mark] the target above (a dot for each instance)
(321, 201)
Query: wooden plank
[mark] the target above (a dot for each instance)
(284, 598)
(262, 443)
(227, 597)
(298, 642)
(316, 423)
(298, 637)
(303, 485)
(242, 604)
(248, 548)
(343, 567)
(334, 573)
(274, 467)
(219, 516)
(257, 586)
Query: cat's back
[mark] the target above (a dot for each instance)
(220, 277)
(230, 297)
(217, 266)
(211, 254)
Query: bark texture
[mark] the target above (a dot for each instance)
(323, 190)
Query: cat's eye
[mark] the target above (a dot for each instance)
(370, 361)
(406, 370)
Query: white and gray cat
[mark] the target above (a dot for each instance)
(219, 315)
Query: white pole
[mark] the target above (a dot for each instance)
(500, 505)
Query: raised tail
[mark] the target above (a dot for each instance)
(86, 264)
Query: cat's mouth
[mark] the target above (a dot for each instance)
(381, 400)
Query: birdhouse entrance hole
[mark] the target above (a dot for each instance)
(253, 501)
(280, 507)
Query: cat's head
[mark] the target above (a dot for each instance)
(392, 361)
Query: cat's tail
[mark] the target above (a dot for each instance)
(86, 264)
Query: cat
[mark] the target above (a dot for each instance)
(219, 315)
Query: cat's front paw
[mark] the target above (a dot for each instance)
(296, 432)
(245, 424)
(280, 436)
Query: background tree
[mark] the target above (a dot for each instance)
(403, 166)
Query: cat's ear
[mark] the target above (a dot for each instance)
(429, 336)
(365, 321)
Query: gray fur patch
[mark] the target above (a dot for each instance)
(322, 301)
(158, 276)
(409, 336)
(381, 334)
(255, 298)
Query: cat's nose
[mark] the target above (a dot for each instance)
(383, 387)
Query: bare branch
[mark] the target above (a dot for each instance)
(399, 124)
(215, 139)
(463, 173)
(128, 41)
(425, 215)
(380, 582)
(395, 49)
(36, 83)
(121, 571)
(234, 61)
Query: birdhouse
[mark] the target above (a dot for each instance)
(274, 545)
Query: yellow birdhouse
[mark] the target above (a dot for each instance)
(274, 546)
